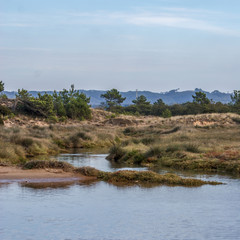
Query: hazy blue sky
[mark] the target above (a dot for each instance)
(155, 45)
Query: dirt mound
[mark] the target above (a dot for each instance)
(99, 115)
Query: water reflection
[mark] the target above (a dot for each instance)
(4, 185)
(97, 161)
(41, 185)
(54, 185)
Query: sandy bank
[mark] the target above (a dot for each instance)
(11, 173)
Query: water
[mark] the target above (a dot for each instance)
(97, 161)
(101, 211)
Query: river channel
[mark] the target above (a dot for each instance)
(101, 211)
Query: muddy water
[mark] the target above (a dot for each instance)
(100, 211)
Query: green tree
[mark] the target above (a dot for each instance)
(67, 103)
(158, 107)
(142, 105)
(72, 103)
(1, 86)
(44, 103)
(200, 98)
(236, 97)
(166, 113)
(59, 105)
(113, 99)
(23, 94)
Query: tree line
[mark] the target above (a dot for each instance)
(75, 105)
(141, 106)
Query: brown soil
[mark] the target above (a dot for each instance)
(12, 173)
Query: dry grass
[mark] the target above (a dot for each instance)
(205, 142)
(189, 147)
(39, 164)
(121, 177)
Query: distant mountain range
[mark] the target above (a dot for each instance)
(171, 97)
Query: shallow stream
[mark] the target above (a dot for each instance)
(100, 211)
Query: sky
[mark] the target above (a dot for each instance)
(155, 45)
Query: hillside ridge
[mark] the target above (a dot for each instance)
(170, 97)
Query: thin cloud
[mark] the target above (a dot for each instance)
(180, 22)
(182, 18)
(170, 17)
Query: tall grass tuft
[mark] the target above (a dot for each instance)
(192, 148)
(116, 153)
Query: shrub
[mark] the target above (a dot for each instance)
(26, 142)
(173, 148)
(154, 152)
(52, 119)
(4, 110)
(63, 119)
(83, 136)
(76, 139)
(116, 153)
(166, 113)
(129, 131)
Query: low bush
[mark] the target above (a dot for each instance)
(155, 151)
(4, 110)
(173, 148)
(116, 153)
(38, 164)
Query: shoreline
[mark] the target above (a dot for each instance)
(39, 175)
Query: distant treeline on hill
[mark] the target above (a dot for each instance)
(169, 98)
(75, 104)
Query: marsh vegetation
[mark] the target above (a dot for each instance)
(50, 124)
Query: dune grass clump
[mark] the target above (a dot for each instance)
(133, 157)
(41, 164)
(116, 152)
(193, 148)
(22, 140)
(77, 139)
(129, 131)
